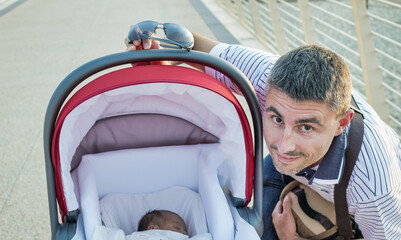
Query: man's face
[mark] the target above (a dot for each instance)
(298, 134)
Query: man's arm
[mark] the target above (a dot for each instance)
(255, 64)
(202, 44)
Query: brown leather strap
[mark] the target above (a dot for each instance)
(303, 203)
(355, 137)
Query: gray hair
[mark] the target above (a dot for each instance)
(313, 73)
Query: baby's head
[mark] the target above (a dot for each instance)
(163, 220)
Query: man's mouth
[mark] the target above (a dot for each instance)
(286, 159)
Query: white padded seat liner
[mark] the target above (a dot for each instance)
(149, 172)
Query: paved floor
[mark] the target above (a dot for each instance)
(41, 42)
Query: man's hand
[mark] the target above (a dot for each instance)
(145, 44)
(284, 221)
(142, 45)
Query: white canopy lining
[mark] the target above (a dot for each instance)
(202, 107)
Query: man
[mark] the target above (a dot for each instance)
(305, 100)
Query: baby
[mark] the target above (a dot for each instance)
(162, 220)
(153, 226)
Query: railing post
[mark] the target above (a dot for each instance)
(257, 23)
(241, 14)
(228, 6)
(371, 72)
(280, 37)
(307, 22)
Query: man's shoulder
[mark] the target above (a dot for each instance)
(375, 172)
(377, 134)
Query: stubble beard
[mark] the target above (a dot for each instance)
(285, 168)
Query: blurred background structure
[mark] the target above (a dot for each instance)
(367, 34)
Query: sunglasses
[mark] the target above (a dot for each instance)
(176, 36)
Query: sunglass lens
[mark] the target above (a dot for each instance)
(179, 34)
(145, 27)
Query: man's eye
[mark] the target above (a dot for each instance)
(306, 128)
(277, 120)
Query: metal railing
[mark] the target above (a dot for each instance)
(367, 34)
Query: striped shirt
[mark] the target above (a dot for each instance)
(374, 189)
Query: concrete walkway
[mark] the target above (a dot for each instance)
(41, 42)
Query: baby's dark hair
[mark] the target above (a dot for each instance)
(163, 220)
(152, 217)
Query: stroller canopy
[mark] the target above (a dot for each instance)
(95, 119)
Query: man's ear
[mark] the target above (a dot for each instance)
(150, 227)
(344, 120)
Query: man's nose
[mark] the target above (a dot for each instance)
(287, 141)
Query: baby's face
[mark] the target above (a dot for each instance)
(174, 223)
